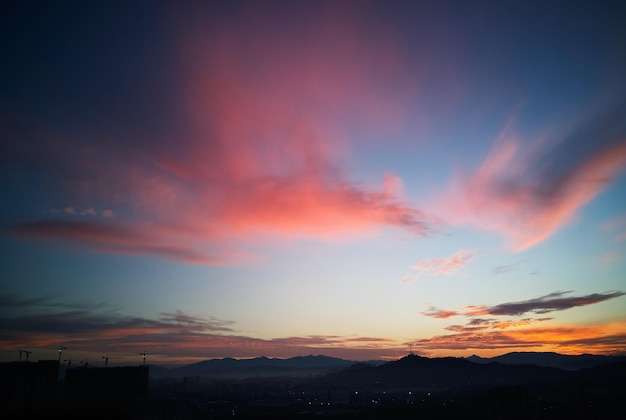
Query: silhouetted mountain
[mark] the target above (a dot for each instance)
(478, 359)
(447, 373)
(606, 376)
(300, 366)
(511, 368)
(551, 359)
(160, 372)
(411, 387)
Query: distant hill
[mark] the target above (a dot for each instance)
(550, 359)
(301, 366)
(447, 373)
(609, 376)
(434, 370)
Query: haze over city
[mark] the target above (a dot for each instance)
(356, 179)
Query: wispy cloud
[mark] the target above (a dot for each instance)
(528, 195)
(440, 313)
(45, 323)
(84, 325)
(111, 238)
(617, 227)
(445, 266)
(260, 152)
(14, 302)
(497, 333)
(501, 269)
(479, 324)
(545, 304)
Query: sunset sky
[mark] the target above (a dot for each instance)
(215, 179)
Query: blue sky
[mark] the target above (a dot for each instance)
(237, 179)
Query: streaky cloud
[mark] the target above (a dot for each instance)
(243, 156)
(479, 324)
(440, 313)
(36, 323)
(528, 196)
(598, 339)
(549, 303)
(15, 302)
(445, 266)
(617, 227)
(109, 237)
(552, 302)
(502, 269)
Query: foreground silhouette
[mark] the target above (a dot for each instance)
(411, 387)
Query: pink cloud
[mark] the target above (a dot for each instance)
(440, 313)
(392, 185)
(266, 120)
(617, 227)
(445, 266)
(278, 116)
(527, 197)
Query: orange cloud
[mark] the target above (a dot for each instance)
(440, 313)
(478, 324)
(487, 334)
(600, 339)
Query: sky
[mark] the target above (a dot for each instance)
(358, 179)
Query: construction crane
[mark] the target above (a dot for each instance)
(106, 359)
(145, 354)
(61, 348)
(26, 352)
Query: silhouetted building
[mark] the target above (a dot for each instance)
(27, 386)
(115, 389)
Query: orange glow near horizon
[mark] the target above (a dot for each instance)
(181, 345)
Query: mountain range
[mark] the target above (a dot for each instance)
(229, 368)
(535, 363)
(444, 373)
(550, 359)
